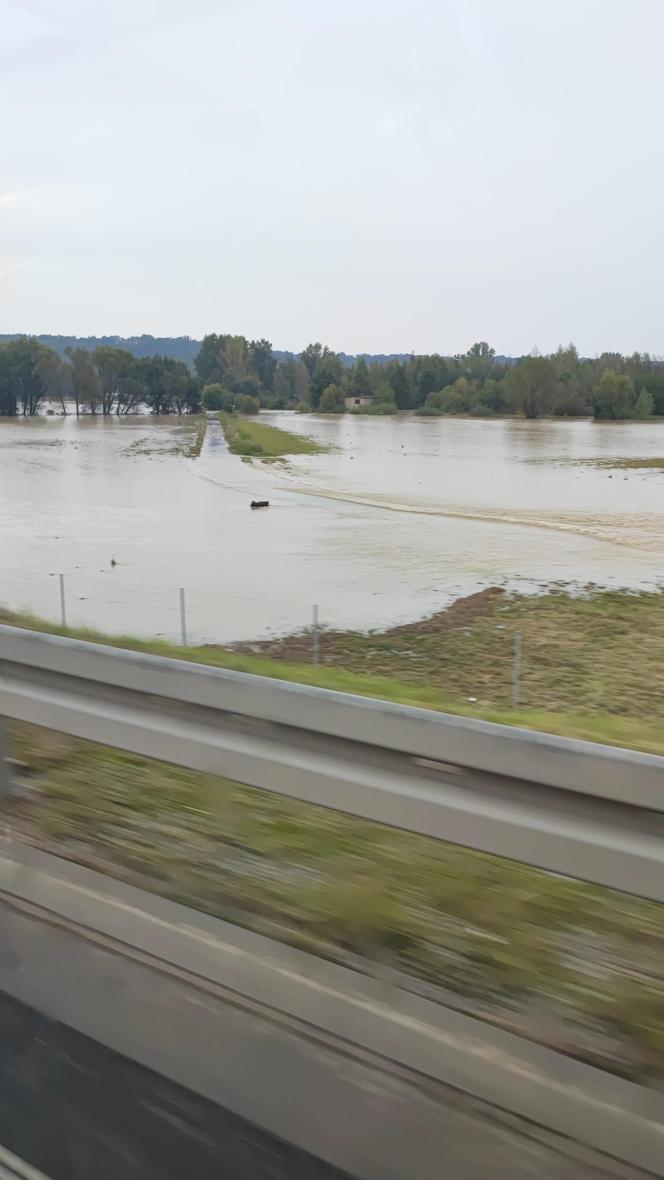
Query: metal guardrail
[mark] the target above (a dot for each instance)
(584, 810)
(79, 940)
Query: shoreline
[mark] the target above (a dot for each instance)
(585, 672)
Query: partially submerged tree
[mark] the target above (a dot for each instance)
(613, 397)
(531, 385)
(85, 380)
(332, 400)
(24, 368)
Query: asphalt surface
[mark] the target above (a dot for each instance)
(75, 1110)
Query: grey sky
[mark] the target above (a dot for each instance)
(382, 175)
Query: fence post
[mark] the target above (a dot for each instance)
(63, 612)
(316, 638)
(516, 670)
(183, 617)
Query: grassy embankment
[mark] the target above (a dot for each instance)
(251, 437)
(568, 963)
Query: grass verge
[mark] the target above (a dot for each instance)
(250, 436)
(592, 667)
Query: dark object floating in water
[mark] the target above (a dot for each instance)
(260, 503)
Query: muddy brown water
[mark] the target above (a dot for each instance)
(398, 518)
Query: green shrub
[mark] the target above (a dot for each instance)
(376, 409)
(215, 397)
(332, 400)
(429, 412)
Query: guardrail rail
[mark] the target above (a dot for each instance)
(576, 808)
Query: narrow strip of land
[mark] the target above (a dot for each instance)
(251, 437)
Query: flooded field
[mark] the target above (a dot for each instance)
(397, 518)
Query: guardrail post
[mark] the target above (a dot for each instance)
(5, 776)
(63, 612)
(315, 651)
(516, 670)
(183, 617)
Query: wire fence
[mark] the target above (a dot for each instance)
(308, 631)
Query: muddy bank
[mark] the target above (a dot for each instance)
(297, 648)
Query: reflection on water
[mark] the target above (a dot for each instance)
(397, 518)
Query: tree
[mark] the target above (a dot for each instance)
(332, 400)
(235, 362)
(383, 392)
(398, 379)
(311, 357)
(57, 376)
(323, 368)
(328, 371)
(491, 398)
(215, 397)
(167, 385)
(479, 361)
(613, 397)
(24, 367)
(427, 380)
(208, 359)
(301, 390)
(531, 385)
(283, 385)
(454, 399)
(263, 363)
(8, 402)
(113, 366)
(653, 382)
(360, 384)
(85, 379)
(644, 405)
(566, 363)
(571, 400)
(248, 404)
(130, 393)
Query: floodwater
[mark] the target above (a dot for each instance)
(400, 516)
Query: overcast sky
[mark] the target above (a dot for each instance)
(381, 175)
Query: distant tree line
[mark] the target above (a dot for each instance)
(105, 380)
(477, 382)
(233, 373)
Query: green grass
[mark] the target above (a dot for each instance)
(570, 964)
(250, 436)
(592, 668)
(650, 464)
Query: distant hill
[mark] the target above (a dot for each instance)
(179, 348)
(185, 348)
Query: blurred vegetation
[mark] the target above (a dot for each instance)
(567, 963)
